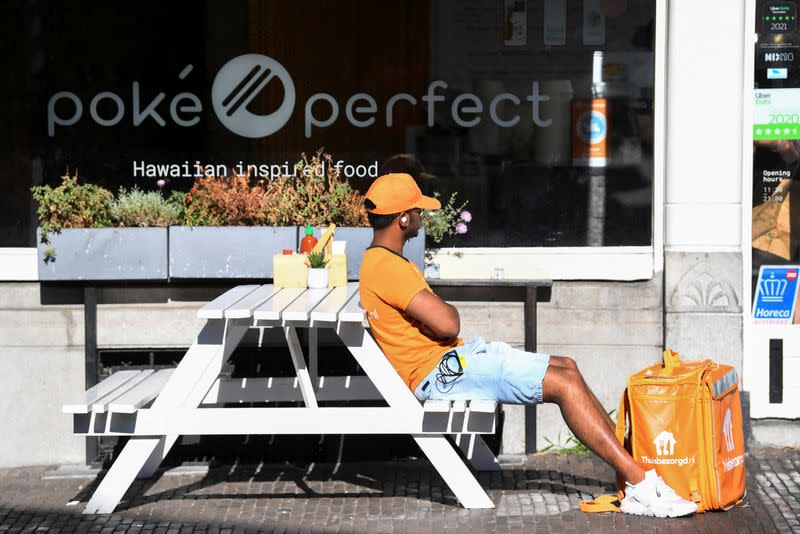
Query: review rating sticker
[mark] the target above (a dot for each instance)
(776, 131)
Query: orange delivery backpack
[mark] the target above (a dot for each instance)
(685, 420)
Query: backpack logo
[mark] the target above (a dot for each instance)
(727, 430)
(665, 443)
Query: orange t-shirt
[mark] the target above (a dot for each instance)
(388, 283)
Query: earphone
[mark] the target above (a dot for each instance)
(404, 219)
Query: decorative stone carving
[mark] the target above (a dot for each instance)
(701, 290)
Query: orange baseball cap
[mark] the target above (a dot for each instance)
(396, 192)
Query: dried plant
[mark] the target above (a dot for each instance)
(321, 198)
(225, 201)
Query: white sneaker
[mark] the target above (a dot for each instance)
(653, 497)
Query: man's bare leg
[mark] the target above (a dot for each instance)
(565, 386)
(564, 361)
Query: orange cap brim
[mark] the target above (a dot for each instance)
(428, 203)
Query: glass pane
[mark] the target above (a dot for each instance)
(539, 114)
(776, 163)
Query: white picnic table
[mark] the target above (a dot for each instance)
(156, 407)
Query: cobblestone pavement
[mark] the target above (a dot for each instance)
(541, 496)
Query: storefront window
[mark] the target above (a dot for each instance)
(539, 114)
(776, 160)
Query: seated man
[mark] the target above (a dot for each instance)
(418, 332)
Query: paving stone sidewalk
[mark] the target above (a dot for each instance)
(540, 496)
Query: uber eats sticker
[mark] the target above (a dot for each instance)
(776, 294)
(776, 114)
(779, 17)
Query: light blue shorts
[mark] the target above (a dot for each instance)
(492, 371)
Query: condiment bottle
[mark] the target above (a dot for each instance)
(309, 241)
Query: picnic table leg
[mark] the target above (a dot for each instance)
(118, 479)
(296, 350)
(477, 452)
(313, 351)
(233, 332)
(372, 360)
(151, 465)
(187, 387)
(439, 451)
(452, 469)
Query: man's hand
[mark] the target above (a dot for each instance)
(439, 319)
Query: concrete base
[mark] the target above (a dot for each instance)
(192, 468)
(511, 459)
(775, 432)
(84, 471)
(71, 471)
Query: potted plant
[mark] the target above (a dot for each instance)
(317, 270)
(86, 234)
(233, 225)
(225, 227)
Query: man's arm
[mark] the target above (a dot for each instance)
(439, 317)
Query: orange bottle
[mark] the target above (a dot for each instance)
(309, 241)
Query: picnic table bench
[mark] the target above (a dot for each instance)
(154, 408)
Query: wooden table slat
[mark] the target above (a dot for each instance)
(329, 309)
(300, 309)
(271, 310)
(352, 312)
(244, 308)
(97, 392)
(216, 308)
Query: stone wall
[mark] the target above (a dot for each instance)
(611, 329)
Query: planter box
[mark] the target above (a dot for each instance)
(359, 238)
(227, 251)
(105, 254)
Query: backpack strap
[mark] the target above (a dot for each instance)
(695, 495)
(603, 503)
(671, 359)
(622, 416)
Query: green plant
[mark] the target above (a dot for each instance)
(178, 199)
(441, 223)
(571, 445)
(70, 205)
(317, 260)
(139, 208)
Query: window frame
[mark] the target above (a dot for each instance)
(553, 263)
(584, 263)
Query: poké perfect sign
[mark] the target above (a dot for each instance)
(776, 294)
(243, 78)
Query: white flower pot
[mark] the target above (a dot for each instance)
(317, 278)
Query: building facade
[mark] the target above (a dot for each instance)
(646, 236)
